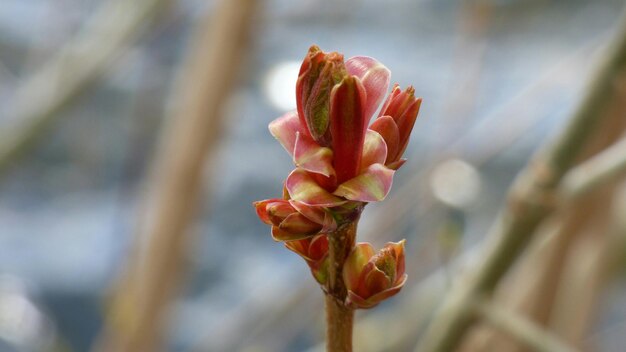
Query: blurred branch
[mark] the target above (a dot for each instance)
(558, 279)
(531, 200)
(395, 210)
(607, 165)
(590, 265)
(41, 97)
(140, 306)
(517, 326)
(617, 240)
(619, 214)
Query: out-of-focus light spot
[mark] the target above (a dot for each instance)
(280, 85)
(455, 182)
(21, 323)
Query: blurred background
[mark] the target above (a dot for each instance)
(89, 89)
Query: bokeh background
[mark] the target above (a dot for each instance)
(498, 78)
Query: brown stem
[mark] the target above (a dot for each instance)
(339, 318)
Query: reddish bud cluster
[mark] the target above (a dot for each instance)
(341, 165)
(372, 277)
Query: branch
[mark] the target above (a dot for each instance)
(41, 97)
(531, 200)
(396, 208)
(618, 239)
(516, 326)
(597, 171)
(140, 306)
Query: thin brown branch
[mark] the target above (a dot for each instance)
(595, 172)
(141, 304)
(564, 249)
(589, 266)
(523, 330)
(397, 207)
(41, 97)
(617, 243)
(531, 200)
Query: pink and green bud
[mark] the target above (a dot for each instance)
(342, 159)
(375, 79)
(374, 180)
(341, 165)
(347, 127)
(319, 73)
(395, 123)
(288, 224)
(373, 277)
(314, 250)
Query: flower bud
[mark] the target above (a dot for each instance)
(314, 250)
(372, 277)
(287, 223)
(318, 75)
(347, 126)
(395, 122)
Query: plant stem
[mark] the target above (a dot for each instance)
(606, 166)
(339, 318)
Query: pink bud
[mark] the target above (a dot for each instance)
(373, 277)
(314, 250)
(319, 73)
(287, 223)
(396, 120)
(347, 127)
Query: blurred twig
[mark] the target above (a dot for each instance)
(475, 19)
(589, 265)
(40, 97)
(518, 327)
(396, 208)
(531, 201)
(609, 164)
(140, 307)
(560, 277)
(617, 239)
